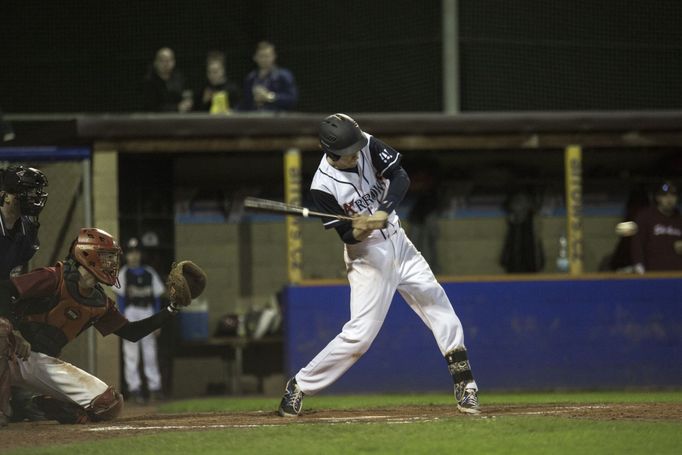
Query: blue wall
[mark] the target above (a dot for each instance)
(531, 335)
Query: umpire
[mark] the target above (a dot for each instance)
(22, 198)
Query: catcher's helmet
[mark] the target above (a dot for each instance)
(340, 135)
(27, 183)
(99, 253)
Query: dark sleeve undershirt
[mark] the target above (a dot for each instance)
(135, 331)
(400, 182)
(325, 202)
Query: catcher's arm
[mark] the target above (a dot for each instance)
(135, 331)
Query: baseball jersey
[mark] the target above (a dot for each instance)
(360, 190)
(653, 245)
(140, 286)
(17, 245)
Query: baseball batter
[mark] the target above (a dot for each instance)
(41, 311)
(362, 177)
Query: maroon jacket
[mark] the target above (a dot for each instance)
(653, 246)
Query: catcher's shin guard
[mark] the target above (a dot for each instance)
(106, 406)
(6, 348)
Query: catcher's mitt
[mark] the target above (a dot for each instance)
(186, 281)
(378, 220)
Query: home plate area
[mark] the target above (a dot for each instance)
(141, 421)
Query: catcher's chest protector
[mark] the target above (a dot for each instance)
(69, 311)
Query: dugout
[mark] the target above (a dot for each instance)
(138, 161)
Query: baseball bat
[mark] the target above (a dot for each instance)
(266, 205)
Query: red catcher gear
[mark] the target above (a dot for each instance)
(99, 253)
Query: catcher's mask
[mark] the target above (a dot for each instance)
(340, 135)
(27, 183)
(99, 253)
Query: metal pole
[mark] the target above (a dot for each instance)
(450, 38)
(87, 204)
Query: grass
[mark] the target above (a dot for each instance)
(498, 435)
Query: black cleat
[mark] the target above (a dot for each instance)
(292, 401)
(467, 400)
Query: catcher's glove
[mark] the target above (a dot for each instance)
(186, 281)
(378, 220)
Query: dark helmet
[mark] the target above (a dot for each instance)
(27, 183)
(340, 135)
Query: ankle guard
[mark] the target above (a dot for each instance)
(458, 364)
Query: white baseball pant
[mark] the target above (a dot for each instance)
(131, 354)
(376, 269)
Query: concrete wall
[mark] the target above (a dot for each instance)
(247, 263)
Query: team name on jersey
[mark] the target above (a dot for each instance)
(366, 200)
(660, 229)
(139, 292)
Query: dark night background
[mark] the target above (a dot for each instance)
(371, 56)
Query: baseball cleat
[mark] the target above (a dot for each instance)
(292, 401)
(467, 400)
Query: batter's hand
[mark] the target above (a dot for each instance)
(368, 223)
(23, 347)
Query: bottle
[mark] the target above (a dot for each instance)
(562, 263)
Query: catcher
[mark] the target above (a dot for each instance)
(42, 311)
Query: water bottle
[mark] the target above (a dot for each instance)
(562, 263)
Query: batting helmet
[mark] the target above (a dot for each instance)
(340, 135)
(27, 183)
(99, 253)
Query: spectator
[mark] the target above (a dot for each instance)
(164, 87)
(522, 251)
(621, 258)
(268, 88)
(658, 242)
(219, 95)
(138, 297)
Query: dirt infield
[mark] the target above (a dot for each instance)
(137, 420)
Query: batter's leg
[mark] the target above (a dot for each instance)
(373, 282)
(426, 297)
